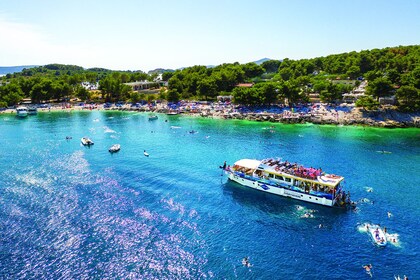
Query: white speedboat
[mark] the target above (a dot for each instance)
(32, 110)
(86, 141)
(153, 117)
(115, 148)
(21, 111)
(146, 154)
(378, 235)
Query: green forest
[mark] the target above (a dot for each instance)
(393, 71)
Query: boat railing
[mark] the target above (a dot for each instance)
(267, 181)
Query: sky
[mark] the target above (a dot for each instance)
(144, 35)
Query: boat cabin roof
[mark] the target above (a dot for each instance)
(248, 163)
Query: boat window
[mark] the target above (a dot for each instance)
(279, 177)
(270, 175)
(288, 179)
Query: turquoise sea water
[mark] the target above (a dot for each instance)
(72, 212)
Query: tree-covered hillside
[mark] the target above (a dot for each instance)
(391, 71)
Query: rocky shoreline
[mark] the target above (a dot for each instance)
(383, 118)
(387, 118)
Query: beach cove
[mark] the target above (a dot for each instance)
(69, 211)
(318, 113)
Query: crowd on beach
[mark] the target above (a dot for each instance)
(319, 113)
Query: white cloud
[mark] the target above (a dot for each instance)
(25, 44)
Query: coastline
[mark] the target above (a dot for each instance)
(386, 118)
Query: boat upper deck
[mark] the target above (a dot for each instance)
(285, 168)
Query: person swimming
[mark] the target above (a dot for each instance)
(307, 215)
(245, 262)
(368, 269)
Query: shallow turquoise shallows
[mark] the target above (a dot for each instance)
(72, 212)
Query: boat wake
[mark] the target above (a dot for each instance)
(384, 152)
(108, 130)
(393, 238)
(369, 189)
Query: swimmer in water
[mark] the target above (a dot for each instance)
(368, 269)
(245, 262)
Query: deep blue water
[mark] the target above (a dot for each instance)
(72, 212)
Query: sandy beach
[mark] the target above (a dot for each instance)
(317, 114)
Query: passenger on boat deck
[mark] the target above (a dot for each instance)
(224, 165)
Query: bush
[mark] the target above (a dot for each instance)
(367, 102)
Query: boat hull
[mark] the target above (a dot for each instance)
(32, 111)
(280, 190)
(86, 142)
(115, 148)
(21, 112)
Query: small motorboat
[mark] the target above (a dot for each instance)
(32, 110)
(145, 153)
(21, 111)
(86, 141)
(114, 148)
(153, 117)
(378, 235)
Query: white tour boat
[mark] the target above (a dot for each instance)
(86, 141)
(378, 235)
(21, 111)
(115, 148)
(290, 180)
